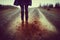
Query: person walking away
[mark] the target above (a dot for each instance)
(24, 6)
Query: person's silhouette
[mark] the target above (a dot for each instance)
(24, 5)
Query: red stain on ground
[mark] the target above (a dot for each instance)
(30, 31)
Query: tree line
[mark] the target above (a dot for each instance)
(57, 5)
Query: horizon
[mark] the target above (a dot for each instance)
(34, 2)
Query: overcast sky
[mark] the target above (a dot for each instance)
(35, 3)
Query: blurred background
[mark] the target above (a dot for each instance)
(35, 3)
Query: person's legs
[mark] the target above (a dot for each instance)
(26, 13)
(22, 12)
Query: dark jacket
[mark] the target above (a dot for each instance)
(22, 2)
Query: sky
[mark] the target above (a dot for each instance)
(35, 3)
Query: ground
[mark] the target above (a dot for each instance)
(38, 27)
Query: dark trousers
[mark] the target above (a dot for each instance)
(24, 7)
